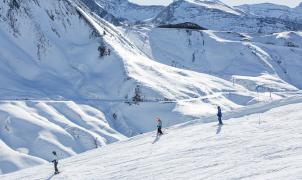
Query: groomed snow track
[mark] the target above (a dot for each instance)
(241, 149)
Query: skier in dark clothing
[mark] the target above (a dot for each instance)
(159, 125)
(55, 162)
(219, 115)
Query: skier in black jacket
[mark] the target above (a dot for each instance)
(219, 115)
(55, 162)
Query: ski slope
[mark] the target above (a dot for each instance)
(68, 77)
(31, 129)
(263, 144)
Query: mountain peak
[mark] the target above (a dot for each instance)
(203, 1)
(211, 4)
(206, 0)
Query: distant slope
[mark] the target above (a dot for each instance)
(249, 60)
(228, 55)
(215, 15)
(101, 11)
(123, 10)
(261, 145)
(269, 10)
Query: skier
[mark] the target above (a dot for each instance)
(159, 125)
(55, 162)
(219, 115)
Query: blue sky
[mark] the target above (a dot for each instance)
(291, 3)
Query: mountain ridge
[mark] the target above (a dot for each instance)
(77, 75)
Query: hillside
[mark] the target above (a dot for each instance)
(30, 129)
(259, 145)
(79, 74)
(49, 50)
(123, 10)
(215, 15)
(244, 59)
(269, 10)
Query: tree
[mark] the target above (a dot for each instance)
(104, 51)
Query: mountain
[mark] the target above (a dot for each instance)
(94, 7)
(49, 51)
(262, 144)
(57, 51)
(215, 15)
(269, 10)
(123, 10)
(231, 56)
(76, 76)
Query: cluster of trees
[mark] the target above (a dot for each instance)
(104, 51)
(186, 25)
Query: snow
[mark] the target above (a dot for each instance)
(270, 10)
(126, 11)
(259, 145)
(218, 16)
(289, 39)
(59, 93)
(190, 86)
(226, 55)
(215, 5)
(33, 128)
(13, 161)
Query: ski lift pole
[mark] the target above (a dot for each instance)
(233, 80)
(257, 89)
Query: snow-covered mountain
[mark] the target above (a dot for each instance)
(216, 15)
(260, 142)
(94, 7)
(74, 75)
(231, 56)
(269, 10)
(49, 51)
(124, 10)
